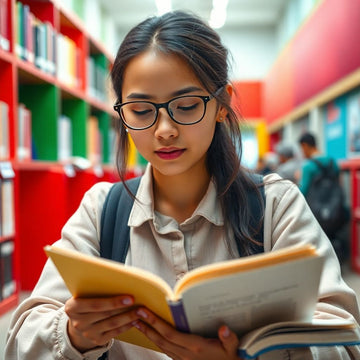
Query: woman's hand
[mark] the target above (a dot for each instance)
(180, 346)
(95, 321)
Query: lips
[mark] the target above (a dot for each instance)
(169, 153)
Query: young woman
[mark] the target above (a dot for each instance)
(170, 77)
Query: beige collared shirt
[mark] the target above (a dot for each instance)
(159, 244)
(178, 248)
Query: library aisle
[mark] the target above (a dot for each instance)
(351, 278)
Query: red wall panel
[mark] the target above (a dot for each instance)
(247, 98)
(278, 94)
(326, 49)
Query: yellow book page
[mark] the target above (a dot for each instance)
(101, 277)
(242, 264)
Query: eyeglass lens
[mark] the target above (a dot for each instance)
(185, 110)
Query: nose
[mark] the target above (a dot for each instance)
(165, 127)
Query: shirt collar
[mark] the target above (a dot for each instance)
(143, 208)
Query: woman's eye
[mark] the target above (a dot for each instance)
(187, 107)
(141, 112)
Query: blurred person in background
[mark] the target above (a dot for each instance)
(289, 164)
(267, 163)
(321, 186)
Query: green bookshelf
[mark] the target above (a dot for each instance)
(43, 102)
(77, 110)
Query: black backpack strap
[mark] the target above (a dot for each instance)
(257, 208)
(114, 219)
(326, 170)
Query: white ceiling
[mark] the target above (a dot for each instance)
(240, 13)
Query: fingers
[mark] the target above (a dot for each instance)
(170, 340)
(175, 344)
(229, 340)
(96, 309)
(180, 345)
(95, 305)
(159, 329)
(94, 322)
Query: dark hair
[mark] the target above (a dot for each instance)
(187, 36)
(308, 138)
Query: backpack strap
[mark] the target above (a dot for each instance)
(114, 231)
(328, 169)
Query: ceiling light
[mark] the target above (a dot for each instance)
(218, 14)
(163, 6)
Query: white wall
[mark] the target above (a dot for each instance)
(253, 49)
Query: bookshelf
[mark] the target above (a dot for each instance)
(352, 166)
(53, 69)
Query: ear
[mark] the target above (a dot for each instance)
(222, 110)
(229, 89)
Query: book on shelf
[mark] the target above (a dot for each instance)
(44, 36)
(97, 79)
(7, 279)
(64, 138)
(35, 40)
(94, 148)
(39, 44)
(67, 61)
(4, 131)
(247, 294)
(4, 26)
(7, 207)
(24, 148)
(50, 48)
(27, 38)
(19, 31)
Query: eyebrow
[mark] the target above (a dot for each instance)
(180, 92)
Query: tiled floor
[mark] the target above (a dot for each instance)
(352, 279)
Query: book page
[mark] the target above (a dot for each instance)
(243, 264)
(248, 300)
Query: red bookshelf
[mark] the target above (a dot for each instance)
(46, 191)
(353, 167)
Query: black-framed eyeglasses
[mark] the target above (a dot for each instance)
(184, 110)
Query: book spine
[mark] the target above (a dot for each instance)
(19, 30)
(4, 34)
(7, 207)
(4, 131)
(24, 31)
(179, 316)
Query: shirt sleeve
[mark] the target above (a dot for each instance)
(289, 221)
(38, 328)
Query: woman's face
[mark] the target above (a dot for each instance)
(172, 149)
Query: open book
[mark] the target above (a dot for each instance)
(247, 294)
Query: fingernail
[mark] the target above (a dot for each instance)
(127, 301)
(137, 325)
(142, 313)
(225, 332)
